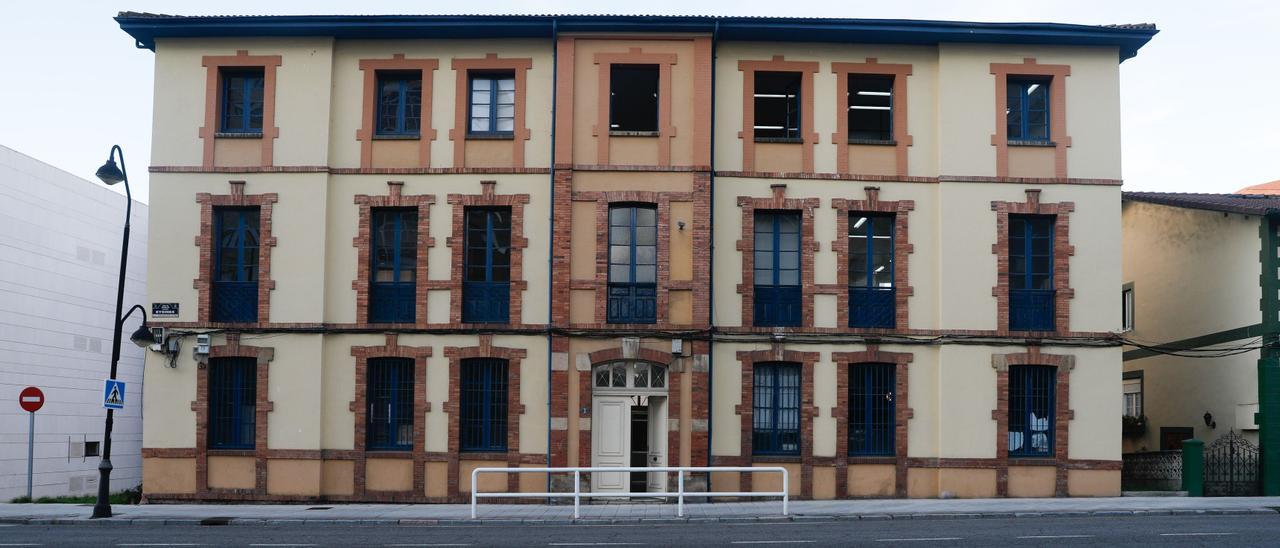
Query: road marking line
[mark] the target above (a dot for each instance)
(281, 545)
(773, 542)
(595, 544)
(1056, 536)
(1195, 534)
(158, 544)
(442, 544)
(927, 539)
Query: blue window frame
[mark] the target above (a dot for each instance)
(486, 289)
(493, 104)
(1031, 292)
(1031, 403)
(241, 101)
(392, 295)
(399, 104)
(872, 388)
(390, 399)
(776, 409)
(633, 264)
(1027, 110)
(777, 105)
(777, 268)
(235, 265)
(233, 388)
(484, 405)
(871, 291)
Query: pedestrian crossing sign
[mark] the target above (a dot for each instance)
(113, 394)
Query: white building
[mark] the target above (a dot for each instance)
(59, 247)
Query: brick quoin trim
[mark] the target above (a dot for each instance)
(233, 349)
(204, 241)
(458, 242)
(366, 133)
(901, 140)
(621, 354)
(1062, 415)
(213, 100)
(809, 138)
(359, 405)
(453, 406)
(902, 250)
(808, 247)
(666, 129)
(902, 413)
(462, 93)
(1062, 252)
(746, 414)
(364, 253)
(1057, 111)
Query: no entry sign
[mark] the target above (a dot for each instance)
(31, 399)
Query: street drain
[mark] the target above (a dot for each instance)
(215, 521)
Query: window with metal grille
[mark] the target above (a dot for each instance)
(484, 405)
(1031, 406)
(399, 104)
(394, 255)
(633, 264)
(871, 291)
(390, 398)
(633, 98)
(1027, 110)
(233, 388)
(871, 408)
(776, 409)
(777, 106)
(486, 289)
(870, 107)
(493, 104)
(777, 268)
(242, 91)
(1031, 292)
(235, 265)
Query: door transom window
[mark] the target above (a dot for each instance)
(630, 377)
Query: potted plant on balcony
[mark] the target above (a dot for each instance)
(1134, 427)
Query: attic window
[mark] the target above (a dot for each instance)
(777, 106)
(633, 98)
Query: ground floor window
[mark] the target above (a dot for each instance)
(232, 402)
(390, 385)
(871, 406)
(484, 405)
(1031, 402)
(776, 409)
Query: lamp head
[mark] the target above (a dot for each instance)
(143, 337)
(109, 173)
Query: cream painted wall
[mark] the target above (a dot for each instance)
(1177, 392)
(166, 402)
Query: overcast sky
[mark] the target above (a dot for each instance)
(1201, 104)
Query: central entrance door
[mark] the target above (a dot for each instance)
(628, 426)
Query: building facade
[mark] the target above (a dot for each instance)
(422, 245)
(60, 247)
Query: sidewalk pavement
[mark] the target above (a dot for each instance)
(459, 514)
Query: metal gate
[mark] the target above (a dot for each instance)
(1231, 467)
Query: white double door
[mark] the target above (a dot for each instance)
(611, 441)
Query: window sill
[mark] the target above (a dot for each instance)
(233, 135)
(230, 452)
(389, 453)
(621, 133)
(483, 455)
(1025, 143)
(874, 142)
(775, 458)
(396, 137)
(871, 459)
(1032, 460)
(784, 140)
(491, 136)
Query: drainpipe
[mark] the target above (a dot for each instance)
(555, 68)
(1268, 417)
(711, 265)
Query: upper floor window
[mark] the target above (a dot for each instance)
(232, 402)
(1126, 307)
(392, 295)
(777, 268)
(1031, 404)
(633, 264)
(777, 105)
(235, 265)
(1027, 111)
(1031, 292)
(484, 405)
(633, 98)
(390, 399)
(242, 91)
(871, 291)
(871, 408)
(870, 107)
(775, 428)
(493, 104)
(399, 104)
(486, 289)
(1133, 393)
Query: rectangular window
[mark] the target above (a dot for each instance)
(1027, 110)
(493, 104)
(91, 449)
(633, 264)
(484, 405)
(233, 384)
(1031, 406)
(777, 105)
(871, 408)
(870, 107)
(871, 291)
(486, 289)
(777, 268)
(1126, 307)
(1133, 394)
(242, 91)
(776, 409)
(394, 252)
(390, 398)
(399, 104)
(235, 265)
(1031, 289)
(633, 98)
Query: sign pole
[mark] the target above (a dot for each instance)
(31, 451)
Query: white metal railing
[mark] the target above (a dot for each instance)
(679, 494)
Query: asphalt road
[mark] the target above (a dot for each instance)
(1244, 530)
